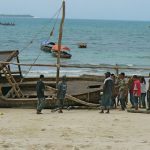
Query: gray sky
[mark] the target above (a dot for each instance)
(82, 9)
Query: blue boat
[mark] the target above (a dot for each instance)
(47, 45)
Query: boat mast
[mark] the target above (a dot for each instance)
(59, 41)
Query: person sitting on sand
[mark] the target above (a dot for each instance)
(40, 87)
(107, 92)
(61, 93)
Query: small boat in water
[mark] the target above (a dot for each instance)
(47, 45)
(64, 51)
(7, 24)
(82, 45)
(63, 54)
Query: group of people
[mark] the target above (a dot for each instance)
(61, 92)
(115, 91)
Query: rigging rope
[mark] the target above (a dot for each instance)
(29, 44)
(34, 62)
(34, 38)
(31, 66)
(51, 33)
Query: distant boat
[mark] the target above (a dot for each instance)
(47, 45)
(82, 45)
(7, 24)
(64, 51)
(6, 20)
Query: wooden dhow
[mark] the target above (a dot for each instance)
(19, 91)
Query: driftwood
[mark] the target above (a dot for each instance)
(138, 111)
(75, 99)
(80, 101)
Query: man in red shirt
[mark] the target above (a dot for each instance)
(136, 91)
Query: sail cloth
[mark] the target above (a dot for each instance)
(47, 42)
(62, 48)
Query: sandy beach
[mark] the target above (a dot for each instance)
(22, 129)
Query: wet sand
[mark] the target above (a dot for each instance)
(23, 129)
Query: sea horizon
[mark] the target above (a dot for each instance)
(109, 42)
(67, 18)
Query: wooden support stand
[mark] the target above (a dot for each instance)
(15, 87)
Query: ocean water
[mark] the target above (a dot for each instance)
(126, 43)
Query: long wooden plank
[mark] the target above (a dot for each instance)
(80, 101)
(24, 99)
(70, 97)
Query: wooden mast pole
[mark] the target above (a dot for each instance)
(19, 67)
(59, 41)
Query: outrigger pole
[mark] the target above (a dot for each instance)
(59, 41)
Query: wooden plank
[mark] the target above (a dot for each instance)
(12, 82)
(70, 97)
(81, 102)
(26, 99)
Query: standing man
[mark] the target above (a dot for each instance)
(61, 93)
(136, 91)
(130, 87)
(40, 87)
(114, 94)
(143, 92)
(122, 90)
(107, 92)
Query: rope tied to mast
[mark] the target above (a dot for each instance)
(56, 15)
(51, 34)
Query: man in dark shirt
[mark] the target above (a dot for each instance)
(107, 92)
(40, 87)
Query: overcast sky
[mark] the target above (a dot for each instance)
(81, 9)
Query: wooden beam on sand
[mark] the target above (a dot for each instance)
(24, 99)
(70, 97)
